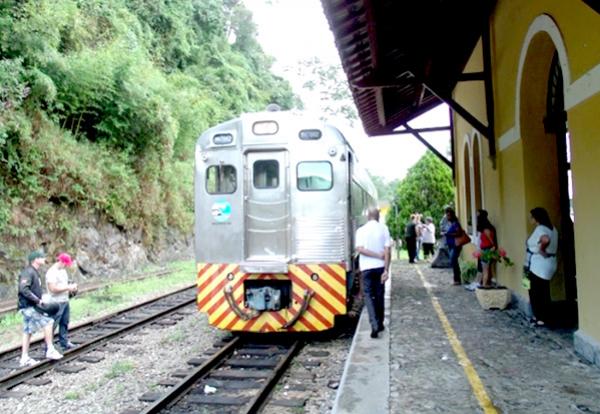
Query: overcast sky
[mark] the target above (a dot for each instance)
(295, 30)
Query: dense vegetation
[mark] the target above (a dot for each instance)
(101, 102)
(427, 189)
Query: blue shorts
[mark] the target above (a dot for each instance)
(33, 321)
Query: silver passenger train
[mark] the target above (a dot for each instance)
(278, 197)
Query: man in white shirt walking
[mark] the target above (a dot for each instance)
(373, 244)
(59, 288)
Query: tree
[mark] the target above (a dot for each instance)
(385, 190)
(101, 103)
(327, 84)
(427, 189)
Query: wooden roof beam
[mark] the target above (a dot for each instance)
(471, 76)
(376, 80)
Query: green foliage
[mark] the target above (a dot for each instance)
(427, 189)
(468, 271)
(12, 87)
(101, 102)
(72, 395)
(385, 190)
(119, 369)
(329, 84)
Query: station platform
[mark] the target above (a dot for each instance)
(441, 352)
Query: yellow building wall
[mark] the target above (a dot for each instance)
(584, 122)
(579, 26)
(515, 185)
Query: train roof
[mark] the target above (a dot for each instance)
(303, 120)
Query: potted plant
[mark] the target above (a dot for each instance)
(468, 271)
(495, 297)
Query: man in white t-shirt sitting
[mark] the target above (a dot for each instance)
(57, 283)
(373, 244)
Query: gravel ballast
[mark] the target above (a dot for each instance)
(126, 372)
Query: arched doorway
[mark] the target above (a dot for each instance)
(546, 160)
(555, 123)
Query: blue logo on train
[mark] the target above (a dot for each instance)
(221, 211)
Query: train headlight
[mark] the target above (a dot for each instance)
(314, 277)
(204, 156)
(332, 151)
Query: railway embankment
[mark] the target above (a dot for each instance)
(103, 252)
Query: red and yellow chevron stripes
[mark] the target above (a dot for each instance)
(329, 297)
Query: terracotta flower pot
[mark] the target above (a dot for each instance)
(493, 298)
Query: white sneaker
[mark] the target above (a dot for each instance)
(27, 361)
(52, 353)
(472, 286)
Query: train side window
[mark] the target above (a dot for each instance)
(266, 174)
(314, 176)
(221, 179)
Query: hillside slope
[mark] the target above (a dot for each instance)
(100, 105)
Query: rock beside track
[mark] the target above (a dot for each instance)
(102, 250)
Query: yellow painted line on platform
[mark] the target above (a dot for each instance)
(478, 389)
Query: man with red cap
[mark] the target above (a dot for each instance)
(59, 288)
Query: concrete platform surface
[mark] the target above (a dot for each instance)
(365, 384)
(444, 354)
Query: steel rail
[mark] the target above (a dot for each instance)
(257, 403)
(80, 326)
(177, 392)
(20, 376)
(181, 389)
(7, 307)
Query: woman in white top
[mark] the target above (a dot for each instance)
(542, 246)
(428, 237)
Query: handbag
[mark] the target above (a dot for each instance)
(47, 309)
(462, 239)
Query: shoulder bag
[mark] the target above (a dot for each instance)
(462, 239)
(47, 309)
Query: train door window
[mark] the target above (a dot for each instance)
(315, 176)
(266, 174)
(221, 179)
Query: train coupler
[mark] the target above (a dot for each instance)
(242, 314)
(308, 294)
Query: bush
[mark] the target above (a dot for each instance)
(468, 271)
(102, 102)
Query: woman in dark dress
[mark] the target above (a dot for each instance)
(454, 231)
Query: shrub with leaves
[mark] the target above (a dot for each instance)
(101, 103)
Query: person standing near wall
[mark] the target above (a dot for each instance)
(373, 244)
(541, 264)
(487, 242)
(59, 288)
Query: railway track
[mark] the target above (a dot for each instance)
(92, 336)
(7, 307)
(238, 378)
